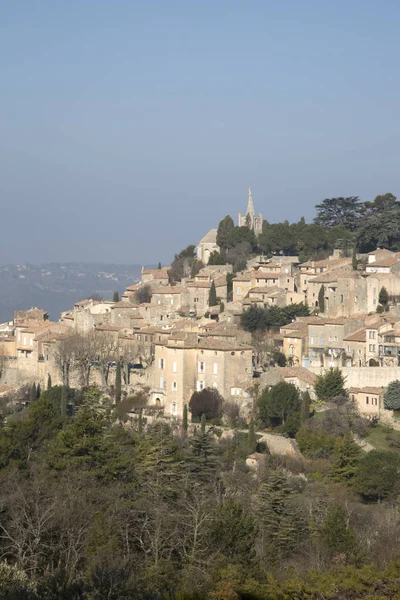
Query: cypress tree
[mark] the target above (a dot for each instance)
(116, 297)
(33, 392)
(159, 266)
(38, 391)
(203, 423)
(118, 383)
(321, 299)
(212, 297)
(49, 381)
(251, 438)
(345, 462)
(305, 407)
(384, 298)
(64, 401)
(185, 419)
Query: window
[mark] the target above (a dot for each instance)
(374, 401)
(372, 335)
(215, 368)
(199, 385)
(161, 363)
(347, 348)
(215, 385)
(341, 298)
(238, 291)
(236, 391)
(19, 336)
(174, 409)
(24, 341)
(311, 340)
(161, 382)
(201, 367)
(31, 341)
(367, 400)
(321, 341)
(372, 347)
(291, 350)
(174, 367)
(174, 386)
(172, 300)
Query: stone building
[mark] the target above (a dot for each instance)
(185, 363)
(207, 245)
(369, 400)
(250, 219)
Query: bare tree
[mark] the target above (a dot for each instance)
(64, 356)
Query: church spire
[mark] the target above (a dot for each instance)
(250, 207)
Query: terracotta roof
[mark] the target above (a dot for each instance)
(244, 277)
(157, 273)
(300, 372)
(357, 336)
(86, 302)
(385, 262)
(367, 390)
(132, 288)
(220, 280)
(176, 289)
(123, 304)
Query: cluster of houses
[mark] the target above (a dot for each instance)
(172, 342)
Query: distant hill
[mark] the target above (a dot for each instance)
(57, 286)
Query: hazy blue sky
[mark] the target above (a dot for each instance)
(128, 129)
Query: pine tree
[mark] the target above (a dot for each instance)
(118, 383)
(185, 419)
(64, 401)
(346, 458)
(305, 407)
(49, 381)
(38, 391)
(116, 297)
(330, 385)
(321, 299)
(33, 392)
(251, 438)
(202, 460)
(212, 297)
(203, 423)
(280, 527)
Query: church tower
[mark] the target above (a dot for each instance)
(250, 219)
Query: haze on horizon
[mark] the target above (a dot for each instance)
(129, 129)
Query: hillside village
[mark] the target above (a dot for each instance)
(177, 334)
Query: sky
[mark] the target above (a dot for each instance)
(128, 128)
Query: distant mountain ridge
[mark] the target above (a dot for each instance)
(57, 286)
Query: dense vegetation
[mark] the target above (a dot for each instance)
(91, 510)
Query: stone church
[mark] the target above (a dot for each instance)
(249, 218)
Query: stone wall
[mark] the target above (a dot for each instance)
(366, 376)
